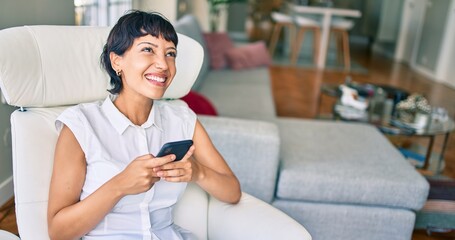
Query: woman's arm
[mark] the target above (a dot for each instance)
(69, 218)
(208, 169)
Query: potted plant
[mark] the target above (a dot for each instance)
(214, 11)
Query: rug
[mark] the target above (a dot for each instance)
(306, 61)
(437, 216)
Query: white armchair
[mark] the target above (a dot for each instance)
(44, 69)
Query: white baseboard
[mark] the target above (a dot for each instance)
(425, 72)
(6, 190)
(378, 48)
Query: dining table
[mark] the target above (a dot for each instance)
(327, 14)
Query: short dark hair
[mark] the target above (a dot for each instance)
(130, 26)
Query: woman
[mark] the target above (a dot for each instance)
(106, 182)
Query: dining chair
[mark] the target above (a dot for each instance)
(305, 24)
(339, 29)
(280, 20)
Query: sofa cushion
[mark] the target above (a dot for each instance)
(199, 104)
(338, 162)
(218, 44)
(352, 222)
(189, 26)
(241, 94)
(250, 55)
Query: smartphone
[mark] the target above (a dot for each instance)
(178, 148)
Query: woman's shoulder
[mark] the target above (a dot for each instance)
(83, 109)
(174, 107)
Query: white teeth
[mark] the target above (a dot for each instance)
(155, 78)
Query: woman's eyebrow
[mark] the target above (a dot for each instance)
(149, 43)
(155, 45)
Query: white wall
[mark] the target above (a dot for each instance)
(200, 9)
(21, 12)
(168, 8)
(446, 71)
(6, 168)
(450, 77)
(412, 17)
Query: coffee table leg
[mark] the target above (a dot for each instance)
(318, 107)
(428, 156)
(441, 155)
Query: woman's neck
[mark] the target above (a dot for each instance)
(135, 108)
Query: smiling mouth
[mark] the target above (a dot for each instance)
(155, 78)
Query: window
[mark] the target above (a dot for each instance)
(100, 12)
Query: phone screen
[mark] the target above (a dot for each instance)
(178, 148)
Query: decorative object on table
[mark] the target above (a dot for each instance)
(414, 111)
(350, 97)
(376, 104)
(439, 114)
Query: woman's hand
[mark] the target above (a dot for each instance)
(185, 170)
(140, 175)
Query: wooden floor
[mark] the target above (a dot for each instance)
(296, 93)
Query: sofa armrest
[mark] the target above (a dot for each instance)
(251, 148)
(251, 218)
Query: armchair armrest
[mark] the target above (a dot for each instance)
(251, 218)
(4, 235)
(251, 148)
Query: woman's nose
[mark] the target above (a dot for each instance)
(161, 63)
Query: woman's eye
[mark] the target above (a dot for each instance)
(171, 54)
(147, 49)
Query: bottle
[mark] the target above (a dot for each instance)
(387, 111)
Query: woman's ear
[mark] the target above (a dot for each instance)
(115, 61)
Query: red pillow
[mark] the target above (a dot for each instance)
(249, 56)
(199, 104)
(217, 45)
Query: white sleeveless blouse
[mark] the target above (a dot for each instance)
(110, 142)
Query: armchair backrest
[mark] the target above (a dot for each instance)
(46, 69)
(48, 66)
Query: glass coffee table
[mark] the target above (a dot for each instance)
(392, 126)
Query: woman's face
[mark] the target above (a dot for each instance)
(148, 66)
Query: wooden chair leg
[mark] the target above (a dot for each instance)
(292, 38)
(316, 45)
(297, 46)
(339, 41)
(274, 38)
(346, 50)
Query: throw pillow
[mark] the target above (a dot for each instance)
(248, 56)
(199, 104)
(217, 45)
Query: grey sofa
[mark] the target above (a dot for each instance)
(339, 180)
